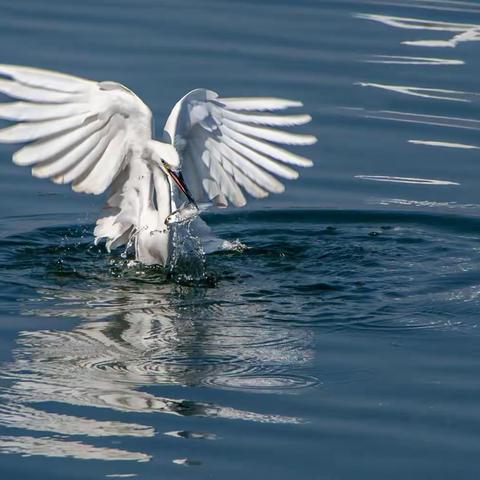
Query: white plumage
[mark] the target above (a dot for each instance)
(96, 135)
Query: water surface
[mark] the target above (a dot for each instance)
(340, 339)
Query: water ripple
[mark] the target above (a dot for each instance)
(436, 143)
(418, 181)
(302, 273)
(53, 447)
(434, 93)
(419, 118)
(406, 60)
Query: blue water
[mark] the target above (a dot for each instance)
(340, 340)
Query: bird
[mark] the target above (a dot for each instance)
(98, 137)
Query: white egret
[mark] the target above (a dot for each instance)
(98, 135)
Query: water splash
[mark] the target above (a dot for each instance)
(188, 259)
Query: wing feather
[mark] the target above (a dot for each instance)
(264, 147)
(32, 94)
(82, 167)
(277, 136)
(66, 161)
(251, 170)
(258, 104)
(45, 79)
(261, 160)
(238, 176)
(82, 132)
(24, 111)
(221, 172)
(56, 145)
(199, 161)
(26, 132)
(230, 144)
(264, 119)
(221, 177)
(101, 175)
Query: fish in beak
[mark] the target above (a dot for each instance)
(188, 210)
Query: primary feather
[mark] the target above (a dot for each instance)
(245, 154)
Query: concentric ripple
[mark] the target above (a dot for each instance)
(132, 331)
(263, 382)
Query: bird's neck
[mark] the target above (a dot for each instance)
(154, 238)
(164, 201)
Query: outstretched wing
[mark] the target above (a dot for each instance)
(81, 132)
(228, 145)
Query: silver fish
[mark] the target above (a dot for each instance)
(186, 212)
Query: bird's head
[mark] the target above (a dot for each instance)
(166, 157)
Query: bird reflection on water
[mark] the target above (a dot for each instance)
(134, 335)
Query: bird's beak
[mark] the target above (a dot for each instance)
(177, 177)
